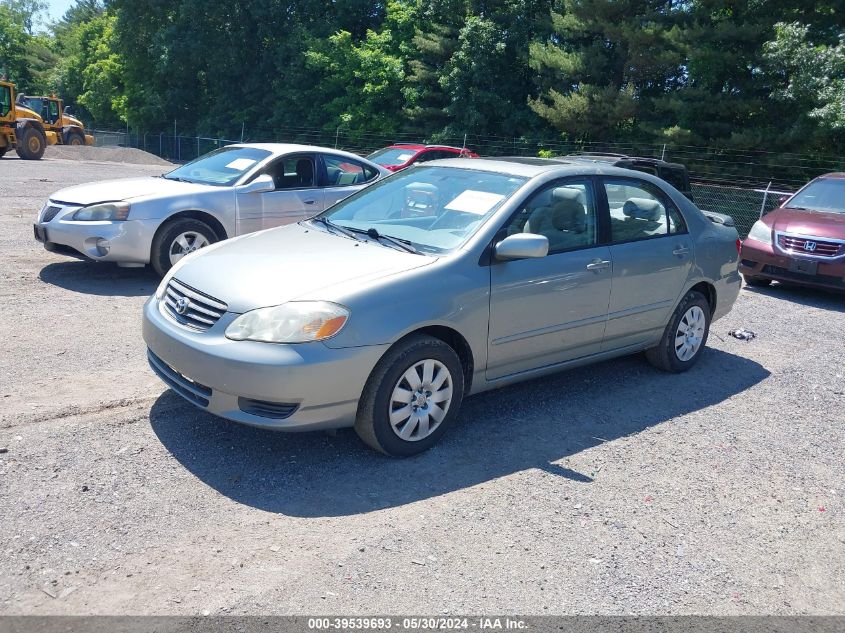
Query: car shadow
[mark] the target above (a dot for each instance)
(833, 300)
(100, 278)
(531, 425)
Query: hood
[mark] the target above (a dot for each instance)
(126, 189)
(22, 112)
(292, 262)
(818, 224)
(71, 120)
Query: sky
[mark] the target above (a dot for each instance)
(56, 9)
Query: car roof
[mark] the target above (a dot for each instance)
(287, 148)
(835, 174)
(529, 167)
(617, 158)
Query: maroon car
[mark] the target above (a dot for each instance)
(401, 155)
(802, 241)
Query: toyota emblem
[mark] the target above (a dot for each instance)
(809, 246)
(182, 305)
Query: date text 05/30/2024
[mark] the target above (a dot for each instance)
(416, 623)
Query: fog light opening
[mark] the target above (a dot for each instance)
(103, 246)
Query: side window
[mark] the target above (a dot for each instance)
(638, 211)
(426, 155)
(342, 171)
(5, 100)
(54, 110)
(293, 172)
(675, 177)
(564, 212)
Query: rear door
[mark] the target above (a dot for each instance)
(652, 257)
(342, 176)
(551, 309)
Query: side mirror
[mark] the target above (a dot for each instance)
(262, 184)
(521, 246)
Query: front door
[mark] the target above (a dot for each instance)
(551, 309)
(652, 254)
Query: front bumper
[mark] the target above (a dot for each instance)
(301, 387)
(764, 260)
(129, 241)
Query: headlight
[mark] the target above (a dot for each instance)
(294, 322)
(103, 211)
(760, 232)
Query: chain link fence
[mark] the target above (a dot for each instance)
(741, 183)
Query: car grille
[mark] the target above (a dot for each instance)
(190, 307)
(809, 246)
(190, 390)
(49, 213)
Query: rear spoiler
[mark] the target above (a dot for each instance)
(719, 218)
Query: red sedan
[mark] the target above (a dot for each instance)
(802, 241)
(402, 155)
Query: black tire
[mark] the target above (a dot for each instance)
(664, 355)
(373, 420)
(3, 151)
(757, 281)
(74, 137)
(31, 143)
(167, 235)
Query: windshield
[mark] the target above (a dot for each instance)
(223, 166)
(827, 194)
(392, 156)
(435, 209)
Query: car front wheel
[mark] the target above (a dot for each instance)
(685, 336)
(179, 238)
(411, 398)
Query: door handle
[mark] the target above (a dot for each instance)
(598, 264)
(680, 250)
(309, 201)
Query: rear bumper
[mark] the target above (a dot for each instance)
(762, 260)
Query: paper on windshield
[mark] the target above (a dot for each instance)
(478, 202)
(240, 163)
(403, 157)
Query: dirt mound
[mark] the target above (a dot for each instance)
(104, 154)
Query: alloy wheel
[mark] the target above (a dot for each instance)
(186, 243)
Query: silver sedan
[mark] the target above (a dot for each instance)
(232, 191)
(441, 281)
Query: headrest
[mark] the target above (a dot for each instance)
(569, 215)
(643, 209)
(568, 193)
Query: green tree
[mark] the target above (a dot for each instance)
(809, 74)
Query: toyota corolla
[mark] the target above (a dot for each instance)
(234, 190)
(441, 281)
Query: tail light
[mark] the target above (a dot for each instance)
(738, 245)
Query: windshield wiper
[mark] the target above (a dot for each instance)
(332, 226)
(405, 245)
(176, 178)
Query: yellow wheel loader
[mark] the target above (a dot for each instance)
(21, 129)
(57, 118)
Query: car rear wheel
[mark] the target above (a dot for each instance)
(685, 336)
(757, 281)
(74, 138)
(177, 239)
(411, 398)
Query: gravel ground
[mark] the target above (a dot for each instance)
(610, 489)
